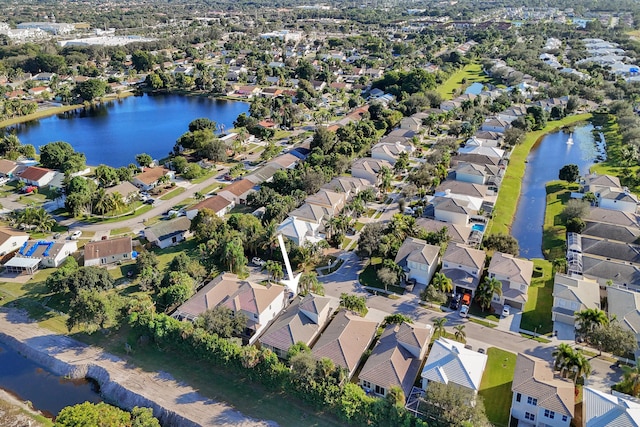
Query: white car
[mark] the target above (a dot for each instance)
(76, 235)
(506, 310)
(258, 261)
(464, 311)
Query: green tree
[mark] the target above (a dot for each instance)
(501, 243)
(233, 256)
(438, 326)
(485, 291)
(396, 319)
(451, 406)
(180, 164)
(104, 415)
(275, 270)
(591, 318)
(91, 89)
(222, 321)
(613, 338)
(354, 303)
(91, 308)
(205, 225)
(442, 282)
(142, 61)
(61, 155)
(106, 175)
(459, 333)
(630, 383)
(309, 283)
(569, 173)
(144, 159)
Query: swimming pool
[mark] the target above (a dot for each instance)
(478, 227)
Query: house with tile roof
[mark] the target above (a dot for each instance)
(601, 409)
(150, 177)
(572, 294)
(368, 168)
(458, 233)
(103, 252)
(345, 340)
(168, 233)
(515, 275)
(463, 265)
(450, 363)
(483, 174)
(396, 359)
(37, 176)
(11, 240)
(238, 191)
(348, 185)
(390, 151)
(540, 398)
(7, 168)
(218, 204)
(127, 190)
(260, 303)
(331, 200)
(302, 321)
(452, 210)
(418, 259)
(624, 304)
(305, 224)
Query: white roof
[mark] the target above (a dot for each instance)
(603, 409)
(449, 361)
(482, 150)
(22, 262)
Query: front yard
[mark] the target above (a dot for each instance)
(537, 311)
(495, 388)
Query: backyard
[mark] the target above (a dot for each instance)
(495, 388)
(470, 73)
(536, 316)
(554, 234)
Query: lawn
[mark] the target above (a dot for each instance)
(207, 174)
(123, 230)
(170, 195)
(495, 387)
(554, 235)
(537, 311)
(468, 74)
(505, 209)
(368, 277)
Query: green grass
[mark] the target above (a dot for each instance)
(470, 73)
(138, 212)
(208, 174)
(170, 195)
(123, 230)
(537, 311)
(39, 114)
(483, 323)
(495, 388)
(554, 235)
(509, 194)
(359, 226)
(368, 277)
(537, 338)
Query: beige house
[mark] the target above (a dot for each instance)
(218, 204)
(396, 359)
(515, 275)
(238, 191)
(149, 178)
(127, 190)
(348, 185)
(331, 200)
(302, 321)
(572, 294)
(418, 259)
(463, 265)
(368, 168)
(103, 252)
(345, 340)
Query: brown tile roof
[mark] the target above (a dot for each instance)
(345, 340)
(534, 377)
(215, 203)
(34, 173)
(124, 189)
(102, 248)
(7, 166)
(6, 233)
(151, 175)
(515, 269)
(238, 188)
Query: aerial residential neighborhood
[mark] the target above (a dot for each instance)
(376, 214)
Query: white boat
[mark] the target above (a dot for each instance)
(570, 140)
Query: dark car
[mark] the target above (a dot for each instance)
(455, 302)
(149, 201)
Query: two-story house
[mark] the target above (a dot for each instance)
(515, 275)
(601, 409)
(305, 224)
(368, 168)
(570, 295)
(418, 259)
(463, 265)
(540, 398)
(478, 174)
(390, 151)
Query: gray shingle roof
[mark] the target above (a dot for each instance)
(417, 250)
(465, 256)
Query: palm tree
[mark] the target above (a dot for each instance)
(233, 255)
(579, 365)
(101, 203)
(198, 196)
(631, 380)
(116, 201)
(309, 283)
(385, 177)
(442, 283)
(275, 269)
(562, 354)
(270, 237)
(486, 290)
(460, 333)
(590, 318)
(42, 220)
(438, 326)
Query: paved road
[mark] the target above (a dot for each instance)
(604, 373)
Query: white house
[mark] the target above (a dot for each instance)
(539, 397)
(515, 275)
(47, 253)
(601, 409)
(238, 191)
(418, 259)
(617, 200)
(411, 123)
(304, 224)
(37, 176)
(149, 178)
(103, 252)
(168, 233)
(218, 204)
(450, 363)
(452, 210)
(477, 174)
(482, 150)
(390, 151)
(572, 294)
(11, 240)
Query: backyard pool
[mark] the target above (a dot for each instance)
(478, 227)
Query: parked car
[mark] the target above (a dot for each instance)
(506, 310)
(481, 350)
(149, 201)
(464, 311)
(466, 299)
(455, 302)
(258, 261)
(76, 235)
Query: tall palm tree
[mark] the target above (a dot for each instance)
(591, 318)
(486, 290)
(442, 283)
(270, 237)
(580, 366)
(309, 283)
(42, 220)
(101, 203)
(385, 178)
(438, 326)
(562, 353)
(460, 333)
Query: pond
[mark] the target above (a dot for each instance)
(474, 89)
(544, 162)
(47, 392)
(114, 132)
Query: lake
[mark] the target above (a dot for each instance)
(47, 392)
(114, 132)
(544, 162)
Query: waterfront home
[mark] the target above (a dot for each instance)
(168, 233)
(570, 295)
(450, 363)
(458, 233)
(37, 176)
(302, 322)
(396, 359)
(463, 188)
(478, 174)
(217, 204)
(111, 251)
(515, 276)
(601, 409)
(345, 340)
(418, 259)
(463, 265)
(149, 178)
(260, 303)
(7, 168)
(493, 152)
(11, 240)
(452, 210)
(539, 397)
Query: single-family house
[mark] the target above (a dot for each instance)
(218, 204)
(150, 177)
(595, 183)
(285, 161)
(619, 233)
(168, 233)
(478, 159)
(368, 168)
(11, 240)
(302, 321)
(450, 363)
(478, 174)
(463, 188)
(238, 191)
(332, 200)
(495, 125)
(607, 216)
(600, 409)
(247, 91)
(39, 90)
(618, 200)
(418, 259)
(411, 123)
(540, 398)
(37, 176)
(47, 253)
(606, 271)
(264, 174)
(396, 359)
(512, 113)
(7, 168)
(261, 304)
(515, 276)
(452, 210)
(390, 151)
(125, 189)
(624, 304)
(463, 265)
(345, 340)
(348, 185)
(570, 295)
(304, 224)
(103, 252)
(494, 152)
(458, 233)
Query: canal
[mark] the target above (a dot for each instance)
(545, 160)
(47, 392)
(114, 132)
